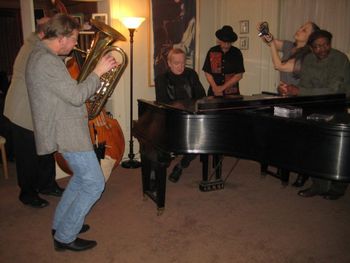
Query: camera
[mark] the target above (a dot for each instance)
(264, 29)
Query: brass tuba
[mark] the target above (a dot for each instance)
(100, 46)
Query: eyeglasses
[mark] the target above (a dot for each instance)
(74, 38)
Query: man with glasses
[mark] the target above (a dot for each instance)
(61, 124)
(325, 71)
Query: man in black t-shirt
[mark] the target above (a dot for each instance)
(223, 66)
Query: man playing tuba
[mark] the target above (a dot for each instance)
(61, 124)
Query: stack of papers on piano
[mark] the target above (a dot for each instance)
(287, 111)
(320, 117)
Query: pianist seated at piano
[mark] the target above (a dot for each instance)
(178, 83)
(325, 71)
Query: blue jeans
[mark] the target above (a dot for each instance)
(84, 189)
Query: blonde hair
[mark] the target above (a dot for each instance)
(175, 51)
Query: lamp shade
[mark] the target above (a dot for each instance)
(87, 0)
(132, 22)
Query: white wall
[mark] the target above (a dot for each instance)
(259, 75)
(27, 15)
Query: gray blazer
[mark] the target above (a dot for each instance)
(58, 103)
(17, 107)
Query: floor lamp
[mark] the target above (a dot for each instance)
(132, 23)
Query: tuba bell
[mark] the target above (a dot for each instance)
(101, 45)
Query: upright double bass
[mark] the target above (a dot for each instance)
(104, 129)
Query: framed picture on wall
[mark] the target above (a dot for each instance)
(173, 24)
(244, 26)
(79, 17)
(102, 17)
(244, 43)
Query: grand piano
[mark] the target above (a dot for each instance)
(245, 127)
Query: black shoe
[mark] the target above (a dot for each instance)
(36, 202)
(54, 191)
(175, 174)
(300, 181)
(283, 174)
(77, 245)
(331, 195)
(309, 192)
(83, 229)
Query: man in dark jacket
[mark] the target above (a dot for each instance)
(178, 83)
(325, 71)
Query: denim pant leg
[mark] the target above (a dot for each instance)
(84, 189)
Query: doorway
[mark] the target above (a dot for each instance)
(11, 39)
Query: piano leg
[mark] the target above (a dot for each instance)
(217, 164)
(147, 172)
(154, 181)
(204, 159)
(160, 193)
(207, 184)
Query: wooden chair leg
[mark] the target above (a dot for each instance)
(3, 156)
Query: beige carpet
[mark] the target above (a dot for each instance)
(251, 220)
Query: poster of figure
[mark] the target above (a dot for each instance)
(174, 26)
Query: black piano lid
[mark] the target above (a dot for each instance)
(260, 100)
(213, 105)
(237, 102)
(319, 148)
(185, 106)
(340, 122)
